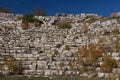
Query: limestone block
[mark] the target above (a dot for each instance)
(101, 75)
(114, 54)
(30, 55)
(34, 52)
(40, 72)
(47, 72)
(32, 58)
(41, 64)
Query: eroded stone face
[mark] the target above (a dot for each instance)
(42, 49)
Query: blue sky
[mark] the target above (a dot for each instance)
(101, 7)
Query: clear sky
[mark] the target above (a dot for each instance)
(101, 7)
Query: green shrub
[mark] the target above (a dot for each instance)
(63, 25)
(28, 18)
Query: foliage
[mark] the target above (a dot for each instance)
(102, 19)
(67, 47)
(90, 52)
(5, 10)
(93, 52)
(108, 64)
(91, 20)
(14, 66)
(115, 31)
(84, 69)
(19, 18)
(73, 65)
(61, 65)
(28, 18)
(84, 28)
(63, 25)
(117, 46)
(118, 19)
(102, 40)
(56, 52)
(88, 56)
(37, 23)
(25, 25)
(106, 32)
(114, 17)
(81, 53)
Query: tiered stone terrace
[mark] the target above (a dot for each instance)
(35, 47)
